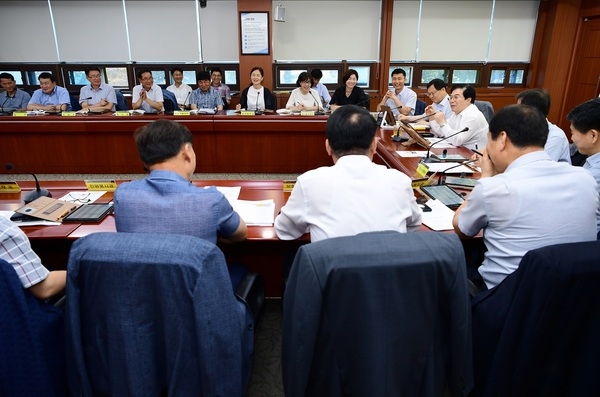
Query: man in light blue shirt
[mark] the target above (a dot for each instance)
(49, 96)
(524, 200)
(205, 96)
(585, 133)
(12, 98)
(401, 99)
(147, 96)
(317, 75)
(557, 145)
(97, 96)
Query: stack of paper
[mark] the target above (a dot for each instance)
(439, 218)
(256, 213)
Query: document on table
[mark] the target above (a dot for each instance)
(412, 153)
(256, 213)
(82, 196)
(35, 222)
(231, 193)
(440, 145)
(439, 218)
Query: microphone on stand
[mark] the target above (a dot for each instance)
(428, 159)
(185, 100)
(34, 194)
(256, 110)
(318, 112)
(3, 103)
(367, 100)
(442, 177)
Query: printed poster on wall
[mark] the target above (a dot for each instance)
(254, 33)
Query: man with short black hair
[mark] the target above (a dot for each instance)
(147, 96)
(317, 75)
(12, 98)
(205, 97)
(49, 97)
(354, 195)
(401, 99)
(464, 115)
(557, 145)
(585, 134)
(524, 200)
(97, 96)
(181, 90)
(166, 201)
(216, 76)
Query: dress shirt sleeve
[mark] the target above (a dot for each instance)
(325, 93)
(453, 126)
(135, 94)
(411, 102)
(111, 96)
(473, 216)
(36, 99)
(414, 223)
(64, 98)
(291, 221)
(292, 100)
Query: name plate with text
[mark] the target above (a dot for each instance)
(422, 169)
(122, 113)
(288, 186)
(247, 113)
(19, 114)
(108, 185)
(307, 113)
(68, 114)
(181, 113)
(9, 187)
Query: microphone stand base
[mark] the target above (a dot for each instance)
(430, 160)
(36, 194)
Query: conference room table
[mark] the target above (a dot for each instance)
(262, 251)
(103, 144)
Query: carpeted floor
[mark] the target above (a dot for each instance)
(265, 380)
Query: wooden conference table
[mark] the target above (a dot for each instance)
(262, 251)
(103, 144)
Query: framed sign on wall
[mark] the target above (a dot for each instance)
(254, 33)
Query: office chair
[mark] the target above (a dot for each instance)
(170, 101)
(378, 314)
(420, 107)
(538, 332)
(154, 314)
(486, 108)
(75, 106)
(32, 355)
(121, 101)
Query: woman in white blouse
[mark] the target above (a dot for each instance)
(304, 97)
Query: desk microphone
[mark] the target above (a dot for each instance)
(256, 110)
(3, 103)
(428, 159)
(366, 100)
(34, 194)
(442, 178)
(186, 98)
(318, 112)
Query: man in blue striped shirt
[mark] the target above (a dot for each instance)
(205, 97)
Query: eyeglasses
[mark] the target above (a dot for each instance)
(431, 94)
(457, 97)
(82, 198)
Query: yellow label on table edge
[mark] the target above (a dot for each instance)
(68, 114)
(19, 114)
(247, 113)
(422, 169)
(122, 113)
(307, 113)
(181, 113)
(9, 187)
(108, 185)
(288, 186)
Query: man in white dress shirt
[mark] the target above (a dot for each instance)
(465, 115)
(354, 195)
(401, 99)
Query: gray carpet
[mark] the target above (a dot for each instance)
(265, 380)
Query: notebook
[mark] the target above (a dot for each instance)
(89, 213)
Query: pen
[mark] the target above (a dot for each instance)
(477, 152)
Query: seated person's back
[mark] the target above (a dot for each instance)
(354, 195)
(165, 201)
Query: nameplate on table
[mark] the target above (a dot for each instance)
(9, 187)
(422, 169)
(307, 113)
(417, 183)
(108, 185)
(181, 113)
(68, 114)
(19, 114)
(288, 186)
(122, 113)
(247, 113)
